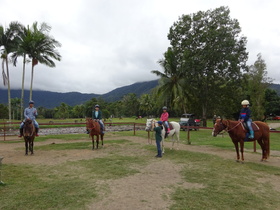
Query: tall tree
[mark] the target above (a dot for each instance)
(258, 83)
(43, 49)
(146, 104)
(8, 43)
(172, 81)
(25, 42)
(212, 54)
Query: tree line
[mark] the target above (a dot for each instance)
(204, 71)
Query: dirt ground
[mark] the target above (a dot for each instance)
(143, 190)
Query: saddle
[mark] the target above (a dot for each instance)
(255, 127)
(169, 124)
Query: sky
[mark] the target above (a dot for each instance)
(107, 44)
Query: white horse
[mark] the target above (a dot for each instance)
(151, 123)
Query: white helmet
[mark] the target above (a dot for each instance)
(245, 102)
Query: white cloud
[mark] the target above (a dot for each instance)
(109, 44)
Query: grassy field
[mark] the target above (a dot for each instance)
(222, 183)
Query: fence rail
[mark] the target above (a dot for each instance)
(10, 130)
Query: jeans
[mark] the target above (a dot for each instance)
(34, 122)
(158, 147)
(249, 124)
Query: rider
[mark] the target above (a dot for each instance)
(164, 118)
(245, 116)
(30, 113)
(97, 115)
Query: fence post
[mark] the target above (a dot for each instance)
(189, 142)
(4, 131)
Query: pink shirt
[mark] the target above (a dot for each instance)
(164, 116)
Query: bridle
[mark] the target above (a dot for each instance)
(225, 127)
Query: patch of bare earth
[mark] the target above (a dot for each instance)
(149, 189)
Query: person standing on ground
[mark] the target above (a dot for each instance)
(158, 136)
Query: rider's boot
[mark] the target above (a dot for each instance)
(251, 136)
(168, 130)
(20, 132)
(36, 131)
(87, 131)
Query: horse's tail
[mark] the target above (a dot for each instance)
(268, 146)
(267, 136)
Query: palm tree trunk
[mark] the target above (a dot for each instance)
(9, 91)
(22, 89)
(31, 84)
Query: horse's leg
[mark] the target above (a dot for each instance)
(97, 141)
(242, 150)
(162, 146)
(102, 135)
(26, 147)
(263, 147)
(92, 138)
(236, 149)
(32, 142)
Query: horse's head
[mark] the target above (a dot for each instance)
(149, 124)
(89, 123)
(218, 127)
(28, 128)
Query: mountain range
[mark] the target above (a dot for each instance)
(50, 100)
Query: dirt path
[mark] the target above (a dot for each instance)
(149, 189)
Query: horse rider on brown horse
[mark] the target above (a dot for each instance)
(30, 113)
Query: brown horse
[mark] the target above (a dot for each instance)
(237, 133)
(94, 131)
(28, 135)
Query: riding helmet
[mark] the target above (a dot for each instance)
(96, 106)
(31, 102)
(245, 102)
(164, 108)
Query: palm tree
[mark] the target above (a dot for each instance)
(8, 43)
(39, 46)
(172, 81)
(43, 49)
(24, 43)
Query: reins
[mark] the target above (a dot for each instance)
(233, 127)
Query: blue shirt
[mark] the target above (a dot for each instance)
(245, 114)
(30, 113)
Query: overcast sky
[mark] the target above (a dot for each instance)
(108, 44)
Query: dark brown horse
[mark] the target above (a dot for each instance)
(28, 135)
(237, 133)
(94, 131)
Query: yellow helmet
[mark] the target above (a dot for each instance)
(245, 102)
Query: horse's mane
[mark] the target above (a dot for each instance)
(29, 127)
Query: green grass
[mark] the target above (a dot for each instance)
(224, 184)
(70, 185)
(209, 182)
(76, 145)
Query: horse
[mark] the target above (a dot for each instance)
(29, 135)
(238, 134)
(94, 131)
(151, 123)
